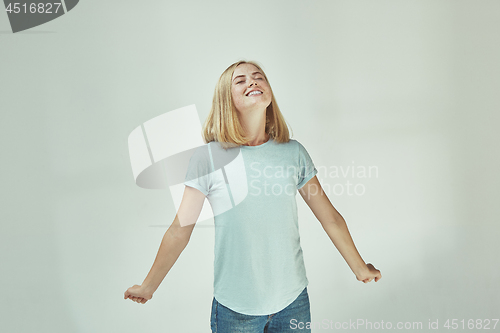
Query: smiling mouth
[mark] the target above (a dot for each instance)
(255, 92)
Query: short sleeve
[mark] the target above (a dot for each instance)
(307, 170)
(198, 170)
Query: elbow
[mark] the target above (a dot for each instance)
(180, 235)
(337, 221)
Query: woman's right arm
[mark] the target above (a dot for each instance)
(173, 243)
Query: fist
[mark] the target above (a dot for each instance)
(369, 274)
(138, 294)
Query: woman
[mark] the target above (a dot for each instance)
(260, 282)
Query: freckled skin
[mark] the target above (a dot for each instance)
(244, 80)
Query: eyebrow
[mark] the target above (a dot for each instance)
(244, 75)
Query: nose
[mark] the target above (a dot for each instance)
(253, 82)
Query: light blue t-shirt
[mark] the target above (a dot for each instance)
(258, 265)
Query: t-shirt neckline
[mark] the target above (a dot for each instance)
(256, 147)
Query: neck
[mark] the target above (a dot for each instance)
(254, 124)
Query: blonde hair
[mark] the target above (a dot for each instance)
(223, 124)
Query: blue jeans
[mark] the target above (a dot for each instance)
(225, 320)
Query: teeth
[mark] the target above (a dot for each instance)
(254, 93)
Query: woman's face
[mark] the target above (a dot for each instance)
(249, 89)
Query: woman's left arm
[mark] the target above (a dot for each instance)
(336, 228)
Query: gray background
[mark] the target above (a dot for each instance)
(406, 86)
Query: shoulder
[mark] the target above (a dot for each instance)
(292, 146)
(296, 145)
(200, 156)
(300, 150)
(289, 148)
(200, 151)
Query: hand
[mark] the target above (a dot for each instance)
(369, 274)
(138, 294)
